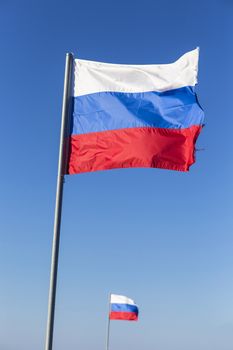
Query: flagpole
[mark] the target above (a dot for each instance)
(108, 325)
(62, 163)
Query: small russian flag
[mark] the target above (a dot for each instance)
(123, 308)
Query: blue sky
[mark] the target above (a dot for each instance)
(163, 238)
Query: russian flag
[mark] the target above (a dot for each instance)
(135, 115)
(123, 308)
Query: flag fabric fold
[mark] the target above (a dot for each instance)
(123, 308)
(135, 115)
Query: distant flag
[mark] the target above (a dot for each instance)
(134, 115)
(122, 308)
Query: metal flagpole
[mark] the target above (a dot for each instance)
(108, 325)
(62, 163)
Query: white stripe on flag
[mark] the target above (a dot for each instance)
(121, 299)
(92, 77)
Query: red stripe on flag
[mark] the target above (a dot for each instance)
(125, 316)
(133, 147)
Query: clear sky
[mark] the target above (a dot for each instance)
(163, 238)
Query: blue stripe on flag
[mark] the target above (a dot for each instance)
(173, 109)
(124, 308)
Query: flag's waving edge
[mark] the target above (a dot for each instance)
(135, 115)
